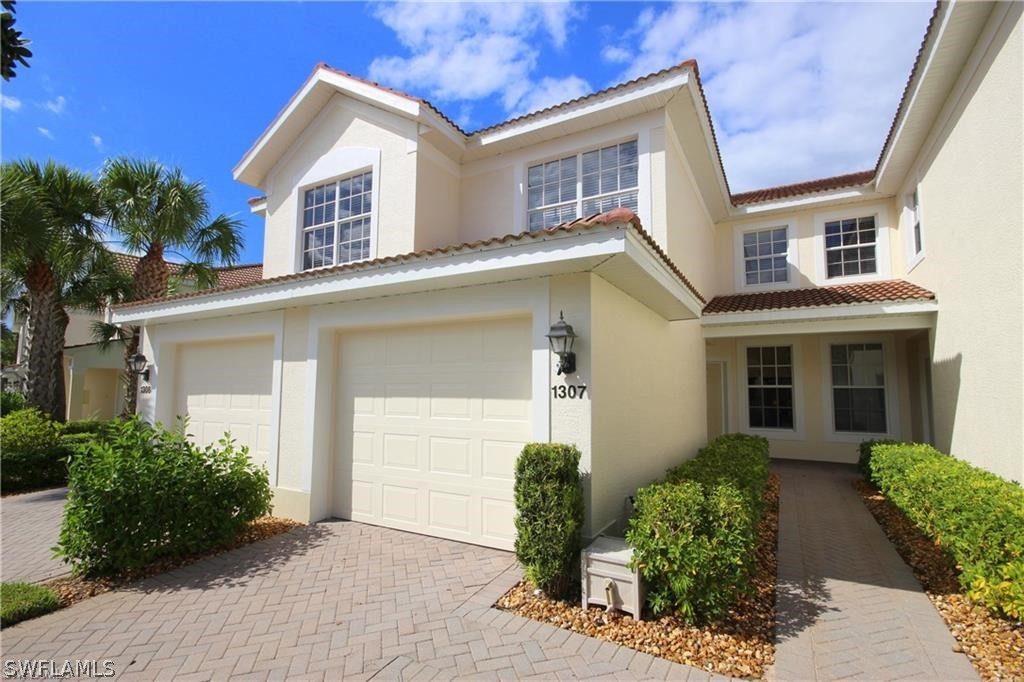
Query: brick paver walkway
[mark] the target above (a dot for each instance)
(847, 604)
(335, 600)
(29, 526)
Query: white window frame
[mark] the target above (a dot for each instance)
(883, 235)
(892, 379)
(333, 166)
(792, 257)
(799, 430)
(913, 217)
(580, 199)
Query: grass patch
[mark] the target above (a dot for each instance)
(21, 601)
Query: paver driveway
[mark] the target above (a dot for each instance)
(329, 601)
(29, 526)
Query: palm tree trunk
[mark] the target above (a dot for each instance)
(47, 322)
(148, 281)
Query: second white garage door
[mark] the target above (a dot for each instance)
(430, 422)
(227, 387)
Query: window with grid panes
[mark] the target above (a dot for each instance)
(764, 256)
(770, 387)
(595, 181)
(858, 387)
(336, 222)
(850, 246)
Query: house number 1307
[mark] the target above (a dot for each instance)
(568, 391)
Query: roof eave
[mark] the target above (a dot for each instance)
(844, 317)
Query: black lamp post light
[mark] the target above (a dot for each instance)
(140, 365)
(562, 338)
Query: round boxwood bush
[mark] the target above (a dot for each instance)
(144, 493)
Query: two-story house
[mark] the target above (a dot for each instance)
(395, 357)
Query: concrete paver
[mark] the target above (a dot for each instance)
(847, 605)
(29, 528)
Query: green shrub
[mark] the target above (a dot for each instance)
(144, 493)
(549, 515)
(694, 535)
(864, 454)
(21, 601)
(975, 515)
(693, 545)
(11, 402)
(96, 427)
(31, 452)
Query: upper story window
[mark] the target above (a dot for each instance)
(765, 254)
(850, 247)
(915, 215)
(583, 184)
(336, 221)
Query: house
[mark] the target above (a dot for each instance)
(394, 358)
(94, 377)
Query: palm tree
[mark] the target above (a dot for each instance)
(158, 212)
(51, 250)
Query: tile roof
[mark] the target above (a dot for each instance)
(227, 276)
(806, 187)
(617, 215)
(845, 294)
(252, 201)
(127, 262)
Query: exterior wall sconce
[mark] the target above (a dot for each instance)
(562, 338)
(139, 366)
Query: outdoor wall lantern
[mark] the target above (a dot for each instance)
(562, 338)
(139, 366)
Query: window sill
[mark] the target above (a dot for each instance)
(776, 434)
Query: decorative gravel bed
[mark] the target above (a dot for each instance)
(994, 645)
(739, 645)
(74, 589)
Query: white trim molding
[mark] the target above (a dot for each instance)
(832, 319)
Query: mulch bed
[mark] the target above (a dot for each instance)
(994, 645)
(73, 589)
(739, 645)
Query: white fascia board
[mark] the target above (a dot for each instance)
(259, 208)
(609, 101)
(865, 193)
(343, 84)
(856, 317)
(571, 252)
(709, 140)
(642, 253)
(431, 118)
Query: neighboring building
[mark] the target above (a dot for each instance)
(394, 360)
(94, 378)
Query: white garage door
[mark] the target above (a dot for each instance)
(430, 422)
(226, 387)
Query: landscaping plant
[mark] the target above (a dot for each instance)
(976, 516)
(20, 601)
(549, 515)
(32, 452)
(694, 534)
(145, 493)
(11, 401)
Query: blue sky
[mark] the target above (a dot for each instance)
(796, 91)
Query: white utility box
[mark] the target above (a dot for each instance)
(607, 579)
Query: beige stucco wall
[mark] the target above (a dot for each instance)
(346, 137)
(648, 407)
(437, 199)
(79, 329)
(972, 204)
(811, 439)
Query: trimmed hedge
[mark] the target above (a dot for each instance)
(32, 454)
(549, 515)
(864, 454)
(975, 515)
(20, 601)
(694, 534)
(11, 402)
(144, 493)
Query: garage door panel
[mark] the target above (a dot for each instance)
(429, 429)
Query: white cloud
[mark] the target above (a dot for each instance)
(616, 54)
(97, 141)
(796, 91)
(461, 52)
(551, 91)
(57, 105)
(45, 132)
(10, 103)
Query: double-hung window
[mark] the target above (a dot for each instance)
(915, 208)
(765, 255)
(858, 388)
(770, 387)
(336, 221)
(583, 184)
(850, 247)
